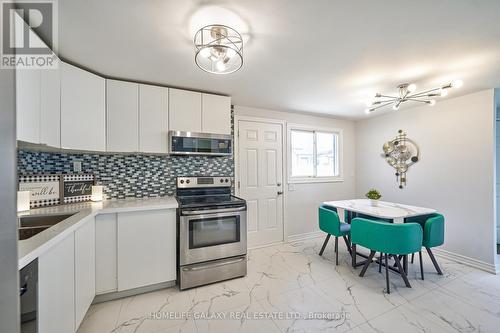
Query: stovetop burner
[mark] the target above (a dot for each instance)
(209, 200)
(206, 192)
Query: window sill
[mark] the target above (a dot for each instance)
(315, 180)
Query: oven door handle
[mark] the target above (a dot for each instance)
(215, 211)
(224, 263)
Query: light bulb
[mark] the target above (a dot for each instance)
(432, 102)
(443, 93)
(230, 52)
(370, 103)
(367, 111)
(457, 83)
(412, 87)
(205, 52)
(221, 67)
(395, 107)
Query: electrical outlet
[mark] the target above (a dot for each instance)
(77, 166)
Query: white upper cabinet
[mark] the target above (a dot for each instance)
(83, 109)
(215, 114)
(28, 105)
(122, 110)
(50, 107)
(184, 110)
(153, 119)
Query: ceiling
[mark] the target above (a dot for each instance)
(321, 56)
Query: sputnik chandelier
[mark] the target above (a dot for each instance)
(407, 94)
(219, 49)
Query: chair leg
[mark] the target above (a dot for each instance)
(380, 263)
(405, 263)
(403, 274)
(388, 288)
(353, 255)
(412, 256)
(347, 244)
(324, 244)
(368, 262)
(336, 251)
(421, 265)
(434, 262)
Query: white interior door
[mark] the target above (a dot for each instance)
(260, 152)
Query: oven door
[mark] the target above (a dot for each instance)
(212, 234)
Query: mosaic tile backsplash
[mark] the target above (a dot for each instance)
(126, 176)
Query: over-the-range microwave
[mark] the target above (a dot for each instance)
(191, 143)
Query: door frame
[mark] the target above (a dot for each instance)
(236, 151)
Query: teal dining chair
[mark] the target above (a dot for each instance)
(433, 227)
(330, 223)
(390, 239)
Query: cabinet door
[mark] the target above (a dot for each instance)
(50, 107)
(184, 110)
(216, 114)
(56, 288)
(28, 105)
(153, 119)
(105, 249)
(122, 111)
(84, 269)
(83, 109)
(146, 248)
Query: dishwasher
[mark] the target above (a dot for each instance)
(28, 293)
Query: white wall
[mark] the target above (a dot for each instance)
(302, 200)
(455, 174)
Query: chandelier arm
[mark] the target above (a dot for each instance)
(417, 100)
(386, 96)
(424, 92)
(381, 106)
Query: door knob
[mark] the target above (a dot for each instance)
(280, 192)
(278, 184)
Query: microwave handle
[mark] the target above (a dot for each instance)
(214, 211)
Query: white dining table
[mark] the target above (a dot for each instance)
(385, 210)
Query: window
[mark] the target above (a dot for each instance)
(314, 155)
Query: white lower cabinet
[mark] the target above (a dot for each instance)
(105, 248)
(84, 269)
(56, 288)
(146, 248)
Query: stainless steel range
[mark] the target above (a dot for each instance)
(212, 231)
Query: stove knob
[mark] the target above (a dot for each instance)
(222, 180)
(188, 181)
(227, 180)
(182, 181)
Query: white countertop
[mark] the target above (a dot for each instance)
(386, 210)
(33, 247)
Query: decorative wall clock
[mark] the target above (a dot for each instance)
(401, 153)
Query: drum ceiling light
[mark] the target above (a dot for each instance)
(219, 49)
(407, 94)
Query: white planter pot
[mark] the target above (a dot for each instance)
(374, 203)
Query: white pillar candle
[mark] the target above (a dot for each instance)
(97, 193)
(23, 200)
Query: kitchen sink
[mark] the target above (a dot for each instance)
(29, 226)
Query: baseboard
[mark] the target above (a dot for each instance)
(131, 292)
(490, 268)
(304, 236)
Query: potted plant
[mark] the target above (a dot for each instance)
(374, 196)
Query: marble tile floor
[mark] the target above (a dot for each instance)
(289, 288)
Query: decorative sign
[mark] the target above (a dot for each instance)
(44, 189)
(401, 153)
(77, 188)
